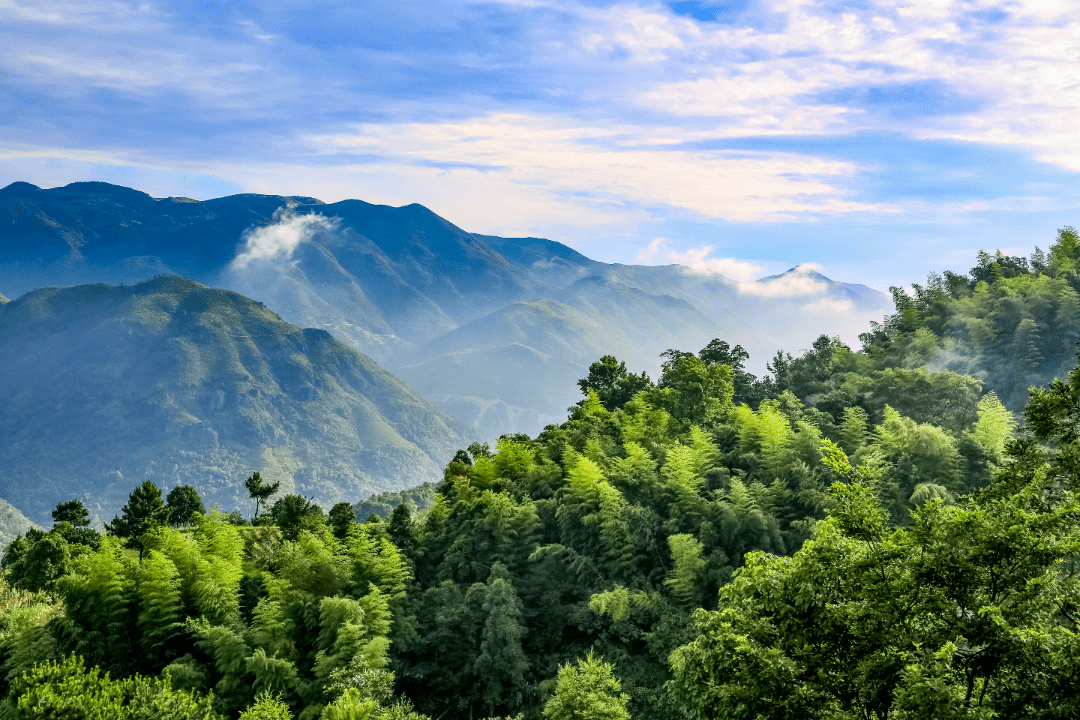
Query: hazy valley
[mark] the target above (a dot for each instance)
(493, 331)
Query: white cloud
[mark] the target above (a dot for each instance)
(646, 255)
(829, 306)
(276, 242)
(1021, 70)
(787, 285)
(697, 259)
(607, 167)
(645, 35)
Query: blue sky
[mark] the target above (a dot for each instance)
(878, 140)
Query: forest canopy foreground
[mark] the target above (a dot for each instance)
(853, 536)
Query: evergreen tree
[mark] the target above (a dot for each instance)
(501, 664)
(70, 691)
(260, 491)
(159, 613)
(612, 383)
(746, 386)
(72, 512)
(183, 501)
(144, 510)
(289, 513)
(401, 529)
(994, 427)
(37, 564)
(267, 707)
(342, 517)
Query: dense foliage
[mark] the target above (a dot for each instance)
(1012, 322)
(854, 539)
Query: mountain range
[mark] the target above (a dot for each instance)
(494, 331)
(106, 386)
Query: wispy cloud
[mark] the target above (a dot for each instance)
(603, 122)
(698, 259)
(828, 306)
(801, 281)
(611, 166)
(277, 241)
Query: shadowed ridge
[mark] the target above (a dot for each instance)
(20, 189)
(12, 523)
(183, 383)
(117, 193)
(531, 250)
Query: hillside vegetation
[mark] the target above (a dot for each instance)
(1012, 322)
(848, 537)
(172, 380)
(494, 331)
(12, 523)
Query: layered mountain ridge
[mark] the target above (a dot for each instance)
(105, 386)
(495, 331)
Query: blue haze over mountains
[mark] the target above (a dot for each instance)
(493, 331)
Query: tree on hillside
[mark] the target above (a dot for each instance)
(73, 512)
(259, 490)
(145, 510)
(694, 391)
(612, 383)
(342, 516)
(588, 690)
(968, 612)
(747, 388)
(289, 513)
(183, 502)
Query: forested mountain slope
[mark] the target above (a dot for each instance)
(395, 283)
(588, 551)
(1011, 322)
(12, 523)
(181, 383)
(513, 368)
(851, 536)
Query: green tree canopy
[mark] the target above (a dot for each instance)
(290, 511)
(183, 501)
(260, 491)
(144, 510)
(72, 511)
(71, 691)
(342, 516)
(966, 613)
(747, 389)
(612, 382)
(587, 690)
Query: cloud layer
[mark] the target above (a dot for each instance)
(771, 131)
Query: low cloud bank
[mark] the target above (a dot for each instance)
(277, 241)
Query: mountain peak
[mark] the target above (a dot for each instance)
(102, 188)
(806, 270)
(183, 383)
(20, 189)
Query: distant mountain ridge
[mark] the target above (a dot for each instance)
(418, 294)
(105, 386)
(12, 523)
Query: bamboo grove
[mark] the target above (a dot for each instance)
(853, 536)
